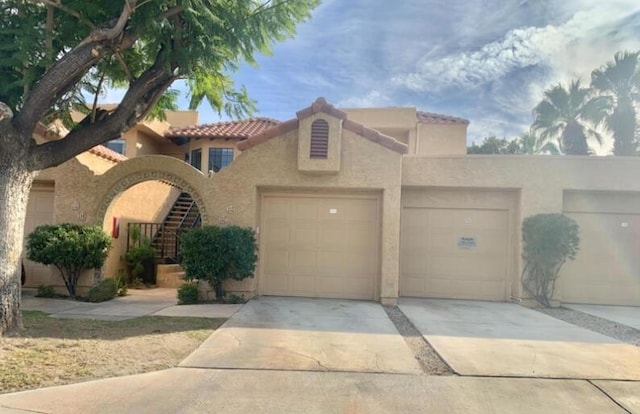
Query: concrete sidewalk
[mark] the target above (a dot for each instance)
(190, 390)
(137, 303)
(624, 315)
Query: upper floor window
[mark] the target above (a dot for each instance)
(220, 158)
(117, 145)
(196, 159)
(319, 139)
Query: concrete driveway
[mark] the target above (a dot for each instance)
(302, 334)
(503, 339)
(625, 315)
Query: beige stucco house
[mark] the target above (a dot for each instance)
(364, 204)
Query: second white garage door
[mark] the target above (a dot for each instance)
(320, 246)
(606, 270)
(455, 245)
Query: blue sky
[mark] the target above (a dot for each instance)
(485, 60)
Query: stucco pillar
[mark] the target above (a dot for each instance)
(390, 252)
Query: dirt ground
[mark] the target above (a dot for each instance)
(61, 351)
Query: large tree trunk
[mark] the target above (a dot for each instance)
(15, 184)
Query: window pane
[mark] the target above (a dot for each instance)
(220, 158)
(117, 145)
(196, 159)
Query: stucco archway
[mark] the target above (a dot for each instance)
(149, 168)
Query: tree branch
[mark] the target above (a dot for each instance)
(142, 95)
(111, 33)
(69, 70)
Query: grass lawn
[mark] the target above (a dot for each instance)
(61, 351)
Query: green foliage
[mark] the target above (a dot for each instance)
(45, 291)
(188, 294)
(103, 291)
(203, 40)
(141, 252)
(235, 299)
(121, 284)
(549, 240)
(493, 145)
(218, 253)
(71, 248)
(620, 82)
(569, 116)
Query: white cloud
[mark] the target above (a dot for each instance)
(520, 48)
(371, 100)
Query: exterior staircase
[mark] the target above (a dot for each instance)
(184, 215)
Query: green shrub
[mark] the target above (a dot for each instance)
(549, 240)
(141, 252)
(188, 294)
(215, 254)
(121, 284)
(235, 299)
(69, 247)
(45, 291)
(103, 291)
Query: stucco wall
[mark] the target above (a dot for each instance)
(272, 165)
(75, 202)
(441, 139)
(541, 180)
(232, 195)
(147, 202)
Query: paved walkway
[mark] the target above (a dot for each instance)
(337, 336)
(625, 315)
(190, 390)
(504, 339)
(137, 303)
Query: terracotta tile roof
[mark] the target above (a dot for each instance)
(106, 153)
(229, 130)
(431, 118)
(321, 105)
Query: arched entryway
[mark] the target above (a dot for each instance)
(149, 199)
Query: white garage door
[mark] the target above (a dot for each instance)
(320, 246)
(450, 249)
(39, 212)
(607, 268)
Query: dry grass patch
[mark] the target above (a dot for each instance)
(60, 351)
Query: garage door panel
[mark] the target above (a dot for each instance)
(465, 289)
(279, 233)
(304, 235)
(355, 288)
(277, 261)
(448, 242)
(454, 252)
(466, 219)
(303, 262)
(303, 285)
(332, 248)
(460, 268)
(607, 267)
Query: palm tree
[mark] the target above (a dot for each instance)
(569, 117)
(530, 143)
(620, 82)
